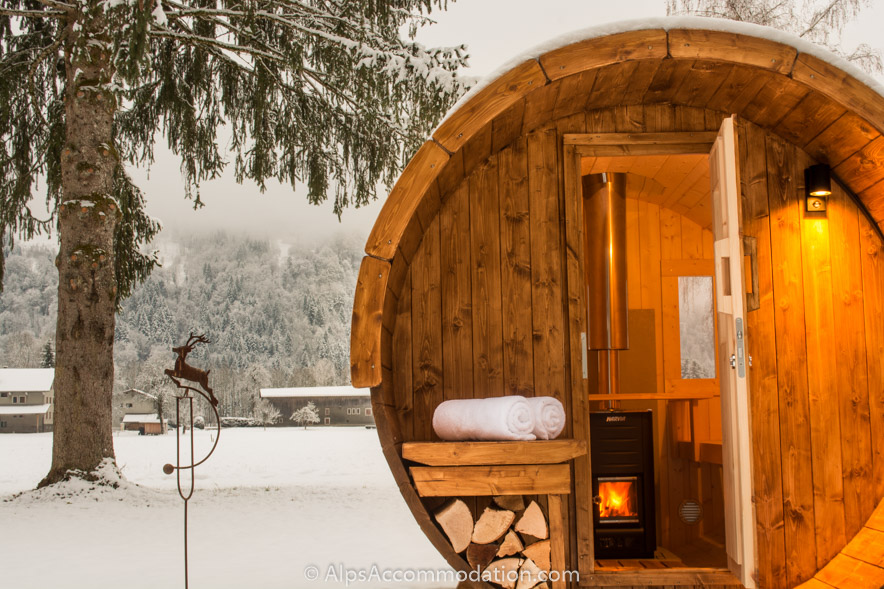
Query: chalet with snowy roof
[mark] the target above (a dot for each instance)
(336, 406)
(137, 411)
(27, 400)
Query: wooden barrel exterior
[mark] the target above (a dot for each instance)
(464, 285)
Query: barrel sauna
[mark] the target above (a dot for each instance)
(755, 314)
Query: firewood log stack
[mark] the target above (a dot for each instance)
(509, 543)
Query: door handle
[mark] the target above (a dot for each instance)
(733, 361)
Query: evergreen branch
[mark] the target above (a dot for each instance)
(57, 4)
(32, 72)
(33, 13)
(191, 39)
(269, 16)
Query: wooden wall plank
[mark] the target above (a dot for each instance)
(841, 140)
(873, 309)
(865, 168)
(738, 89)
(791, 352)
(477, 149)
(539, 106)
(822, 374)
(547, 299)
(573, 92)
(701, 83)
(402, 364)
(774, 101)
(515, 242)
(649, 224)
(762, 347)
(367, 326)
(457, 317)
(486, 291)
(507, 126)
(810, 117)
(426, 320)
(851, 381)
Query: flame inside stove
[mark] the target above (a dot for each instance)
(617, 499)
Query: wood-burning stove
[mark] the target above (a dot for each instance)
(622, 453)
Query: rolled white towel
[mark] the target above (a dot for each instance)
(549, 417)
(495, 418)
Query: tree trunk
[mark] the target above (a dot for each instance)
(84, 371)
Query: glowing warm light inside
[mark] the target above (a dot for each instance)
(617, 499)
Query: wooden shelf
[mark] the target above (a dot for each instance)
(493, 453)
(652, 397)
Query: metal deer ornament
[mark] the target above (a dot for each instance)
(185, 372)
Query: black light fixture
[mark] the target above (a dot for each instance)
(818, 183)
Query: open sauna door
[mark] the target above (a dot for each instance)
(733, 361)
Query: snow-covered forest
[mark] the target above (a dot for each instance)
(277, 314)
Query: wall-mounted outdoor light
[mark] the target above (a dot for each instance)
(818, 181)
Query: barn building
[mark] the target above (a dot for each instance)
(673, 227)
(336, 405)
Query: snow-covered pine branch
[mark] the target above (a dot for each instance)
(328, 95)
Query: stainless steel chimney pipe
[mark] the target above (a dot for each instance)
(605, 217)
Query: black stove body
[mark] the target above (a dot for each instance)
(622, 453)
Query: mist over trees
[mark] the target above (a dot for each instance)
(277, 315)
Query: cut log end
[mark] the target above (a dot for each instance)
(511, 544)
(503, 572)
(479, 556)
(538, 553)
(456, 521)
(533, 522)
(492, 525)
(511, 502)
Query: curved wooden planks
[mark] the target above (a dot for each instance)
(731, 48)
(367, 329)
(841, 87)
(602, 51)
(489, 102)
(404, 199)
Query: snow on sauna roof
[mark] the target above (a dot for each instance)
(344, 391)
(24, 409)
(26, 380)
(668, 23)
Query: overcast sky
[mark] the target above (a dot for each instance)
(494, 30)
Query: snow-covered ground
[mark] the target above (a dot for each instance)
(268, 505)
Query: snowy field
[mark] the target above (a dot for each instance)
(268, 505)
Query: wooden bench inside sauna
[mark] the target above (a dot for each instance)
(674, 231)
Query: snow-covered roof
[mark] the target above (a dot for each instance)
(140, 392)
(671, 23)
(141, 418)
(24, 409)
(26, 380)
(342, 391)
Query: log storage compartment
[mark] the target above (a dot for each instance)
(506, 471)
(623, 484)
(475, 284)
